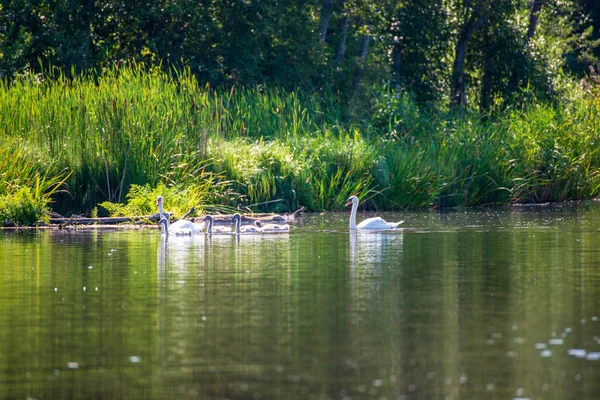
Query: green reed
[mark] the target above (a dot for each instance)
(318, 172)
(28, 183)
(124, 126)
(268, 149)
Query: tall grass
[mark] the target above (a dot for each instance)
(123, 127)
(268, 149)
(544, 152)
(318, 172)
(28, 183)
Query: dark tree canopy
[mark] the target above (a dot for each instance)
(475, 53)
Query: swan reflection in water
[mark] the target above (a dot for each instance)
(177, 253)
(374, 247)
(258, 240)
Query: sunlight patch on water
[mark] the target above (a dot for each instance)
(378, 382)
(546, 353)
(595, 356)
(256, 292)
(579, 353)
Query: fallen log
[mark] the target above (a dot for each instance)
(102, 220)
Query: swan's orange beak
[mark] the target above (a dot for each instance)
(348, 203)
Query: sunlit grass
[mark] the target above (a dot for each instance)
(124, 127)
(268, 149)
(28, 184)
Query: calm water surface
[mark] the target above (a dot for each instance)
(498, 304)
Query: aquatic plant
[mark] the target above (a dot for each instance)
(124, 127)
(276, 150)
(22, 207)
(28, 183)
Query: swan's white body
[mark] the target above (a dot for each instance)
(182, 227)
(237, 219)
(272, 227)
(375, 223)
(215, 229)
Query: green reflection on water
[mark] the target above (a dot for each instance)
(456, 305)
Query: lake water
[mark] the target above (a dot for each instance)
(501, 304)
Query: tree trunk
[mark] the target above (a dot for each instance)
(326, 12)
(458, 72)
(472, 23)
(362, 61)
(396, 67)
(486, 84)
(341, 50)
(364, 50)
(87, 10)
(534, 14)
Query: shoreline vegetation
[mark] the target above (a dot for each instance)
(108, 145)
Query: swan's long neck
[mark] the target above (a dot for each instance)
(353, 216)
(238, 225)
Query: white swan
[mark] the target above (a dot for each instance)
(375, 223)
(215, 229)
(272, 227)
(182, 227)
(237, 219)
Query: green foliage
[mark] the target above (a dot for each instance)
(282, 44)
(137, 126)
(141, 200)
(557, 151)
(185, 185)
(263, 172)
(397, 116)
(23, 207)
(318, 173)
(422, 32)
(28, 183)
(541, 153)
(133, 134)
(336, 167)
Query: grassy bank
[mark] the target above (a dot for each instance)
(246, 147)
